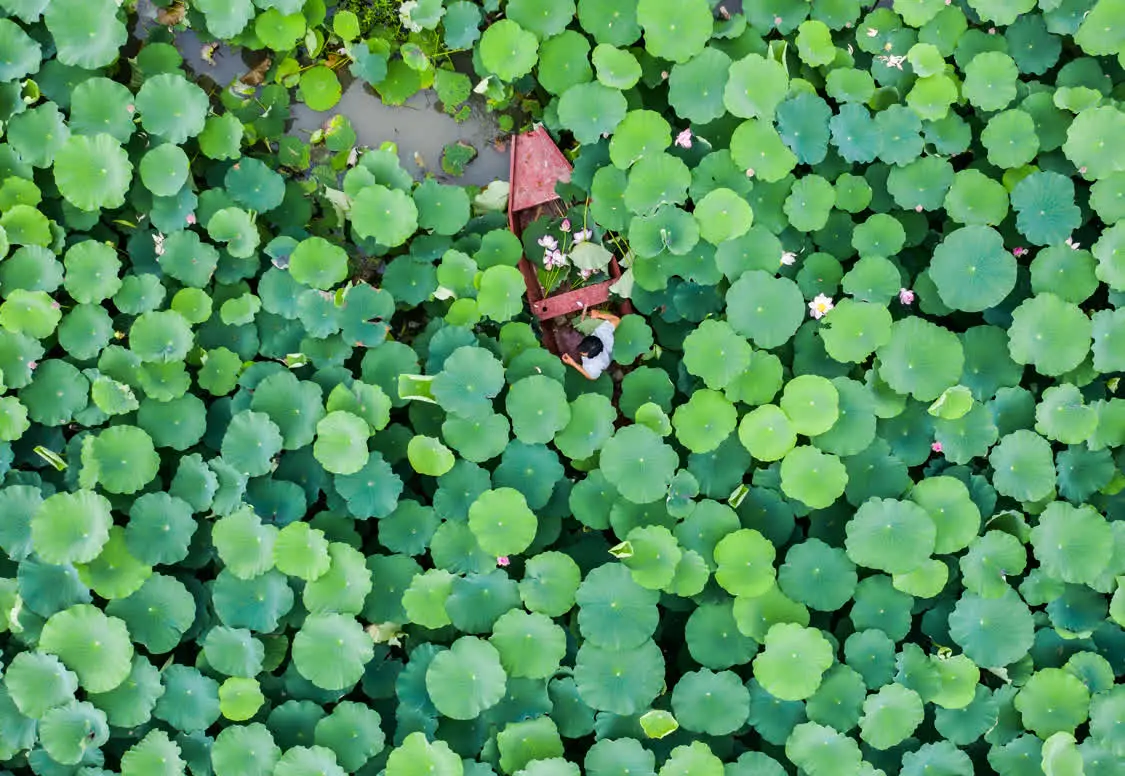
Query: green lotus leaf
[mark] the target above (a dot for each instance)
(1010, 139)
(164, 170)
(712, 703)
(817, 575)
(121, 459)
(502, 523)
(92, 645)
(990, 80)
(853, 330)
(767, 310)
(1053, 701)
(131, 703)
(240, 698)
(529, 645)
(550, 582)
(793, 661)
(24, 55)
(972, 270)
(294, 406)
(158, 614)
(815, 478)
(501, 293)
(952, 510)
(38, 682)
(1073, 544)
(428, 456)
(722, 215)
(91, 272)
(250, 443)
(715, 353)
(639, 464)
(467, 679)
(590, 426)
(616, 68)
(154, 754)
(115, 573)
(615, 612)
(331, 650)
(639, 134)
(301, 551)
(622, 682)
(655, 180)
(417, 756)
(344, 587)
(233, 651)
(244, 544)
(890, 716)
(675, 31)
(756, 87)
(308, 760)
(87, 35)
(542, 18)
(385, 215)
(172, 108)
(255, 603)
(235, 227)
(93, 172)
(68, 732)
(24, 225)
(352, 732)
(993, 632)
(1088, 137)
(1023, 466)
(767, 433)
(508, 50)
(30, 312)
(1063, 416)
(538, 408)
(704, 421)
(744, 561)
(892, 536)
(71, 527)
(921, 359)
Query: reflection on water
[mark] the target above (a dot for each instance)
(420, 128)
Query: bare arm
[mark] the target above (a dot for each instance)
(569, 361)
(610, 318)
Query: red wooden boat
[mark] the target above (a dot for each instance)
(537, 165)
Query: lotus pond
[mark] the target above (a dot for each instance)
(289, 485)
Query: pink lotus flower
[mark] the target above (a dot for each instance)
(788, 258)
(553, 259)
(582, 235)
(936, 447)
(548, 242)
(503, 561)
(191, 219)
(1019, 250)
(905, 296)
(820, 306)
(683, 140)
(917, 208)
(31, 365)
(585, 273)
(1073, 245)
(565, 225)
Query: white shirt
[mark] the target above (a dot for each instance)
(599, 363)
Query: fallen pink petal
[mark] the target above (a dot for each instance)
(683, 140)
(503, 560)
(936, 447)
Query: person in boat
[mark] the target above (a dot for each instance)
(595, 349)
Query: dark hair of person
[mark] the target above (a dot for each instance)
(590, 347)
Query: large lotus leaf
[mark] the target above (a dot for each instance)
(508, 50)
(756, 87)
(388, 216)
(318, 263)
(250, 442)
(331, 650)
(744, 561)
(640, 133)
(817, 575)
(993, 632)
(93, 172)
(22, 54)
(1052, 335)
(813, 477)
(235, 227)
(613, 22)
(1052, 701)
(38, 682)
(161, 337)
(1089, 140)
(172, 108)
(301, 551)
(121, 459)
(158, 614)
(417, 756)
(92, 645)
(793, 661)
(1073, 544)
(71, 527)
(757, 149)
(542, 17)
(68, 732)
(87, 34)
(811, 403)
(921, 359)
(538, 408)
(501, 521)
(655, 180)
(467, 679)
(622, 682)
(716, 704)
(972, 270)
(674, 30)
(704, 421)
(591, 110)
(767, 310)
(893, 536)
(639, 464)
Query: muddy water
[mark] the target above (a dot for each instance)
(420, 128)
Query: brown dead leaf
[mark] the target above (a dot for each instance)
(257, 75)
(172, 15)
